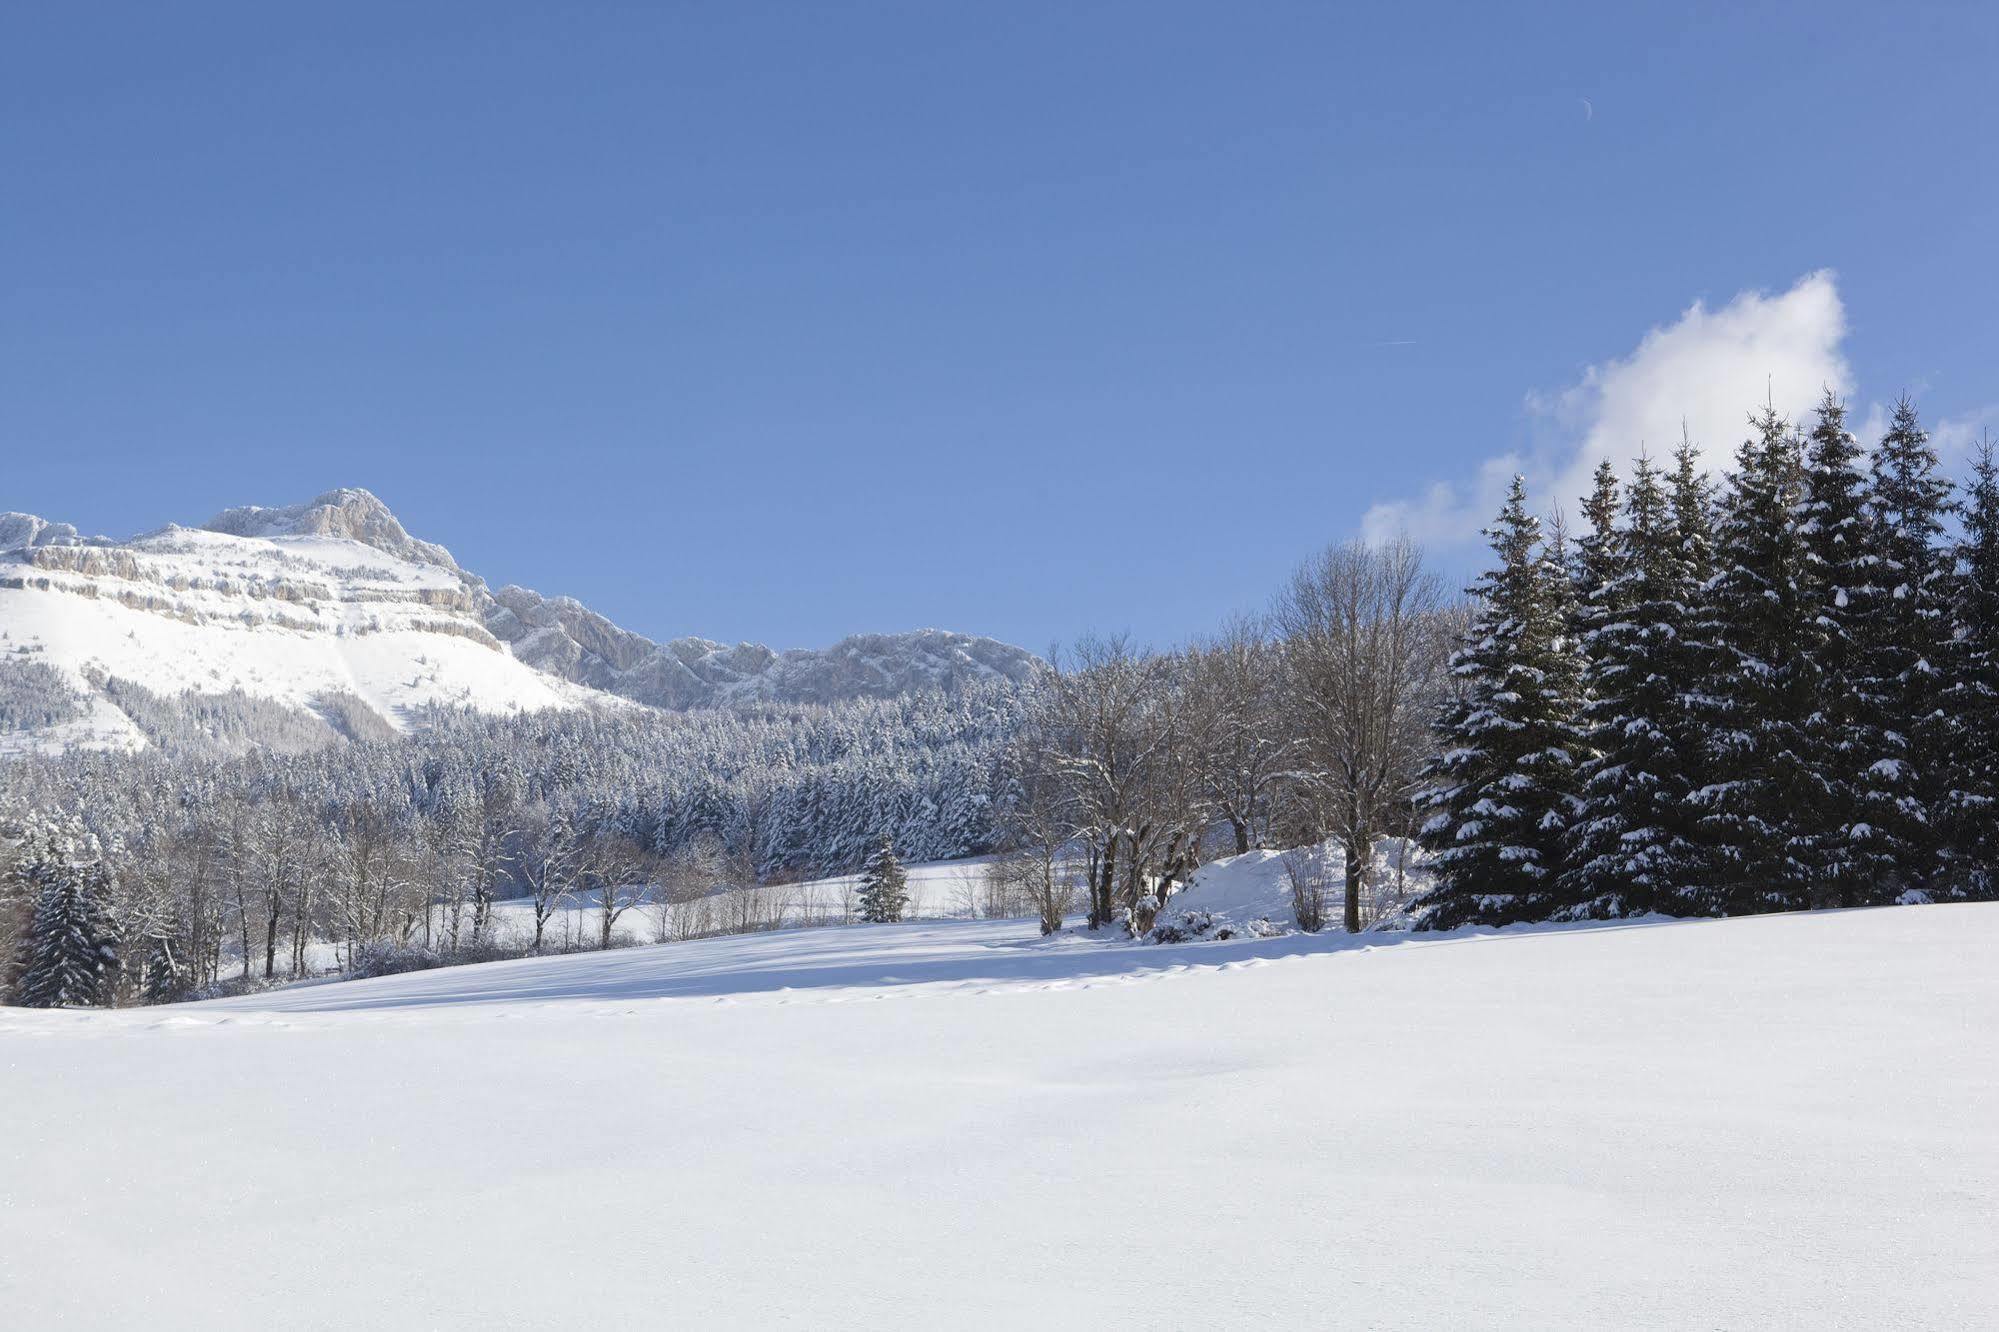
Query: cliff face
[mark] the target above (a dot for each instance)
(335, 597)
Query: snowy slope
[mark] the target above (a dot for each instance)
(1763, 1122)
(334, 596)
(294, 609)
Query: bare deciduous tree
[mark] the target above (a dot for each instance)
(1367, 647)
(1235, 708)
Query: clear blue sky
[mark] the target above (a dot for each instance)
(787, 322)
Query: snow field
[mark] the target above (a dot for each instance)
(1773, 1121)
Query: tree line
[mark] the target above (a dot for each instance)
(1772, 695)
(212, 865)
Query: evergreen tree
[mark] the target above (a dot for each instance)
(1906, 636)
(884, 886)
(1500, 791)
(1631, 848)
(1839, 555)
(165, 976)
(72, 951)
(1760, 639)
(1969, 821)
(1598, 553)
(1693, 521)
(1687, 667)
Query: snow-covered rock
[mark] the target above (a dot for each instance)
(294, 609)
(24, 529)
(566, 638)
(351, 513)
(334, 598)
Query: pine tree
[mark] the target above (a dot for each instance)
(1839, 555)
(1905, 642)
(1760, 639)
(1501, 790)
(1631, 847)
(1969, 821)
(884, 886)
(71, 948)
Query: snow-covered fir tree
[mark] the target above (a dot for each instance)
(1841, 737)
(884, 886)
(1905, 638)
(1501, 788)
(1692, 497)
(165, 978)
(71, 958)
(1969, 818)
(1597, 554)
(1630, 844)
(1761, 831)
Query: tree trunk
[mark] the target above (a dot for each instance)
(1241, 836)
(1356, 864)
(1103, 891)
(271, 937)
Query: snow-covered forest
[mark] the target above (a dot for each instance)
(1712, 696)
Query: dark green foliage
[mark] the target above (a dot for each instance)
(1968, 819)
(1906, 633)
(1841, 733)
(1630, 847)
(884, 886)
(1501, 787)
(1761, 837)
(71, 956)
(167, 977)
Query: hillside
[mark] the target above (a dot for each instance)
(332, 610)
(281, 612)
(1775, 1121)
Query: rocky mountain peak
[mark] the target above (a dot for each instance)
(25, 529)
(350, 512)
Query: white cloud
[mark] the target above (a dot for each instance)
(1709, 368)
(1957, 437)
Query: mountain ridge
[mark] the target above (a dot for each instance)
(335, 598)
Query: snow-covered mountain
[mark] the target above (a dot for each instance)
(331, 608)
(568, 639)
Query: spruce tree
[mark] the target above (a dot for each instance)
(1969, 822)
(1499, 793)
(1760, 639)
(165, 980)
(1905, 642)
(1687, 666)
(1840, 559)
(1693, 521)
(1631, 846)
(71, 956)
(884, 886)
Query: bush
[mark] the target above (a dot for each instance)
(1196, 926)
(1310, 876)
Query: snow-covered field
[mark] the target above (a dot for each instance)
(1766, 1122)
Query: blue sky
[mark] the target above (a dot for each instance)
(787, 322)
